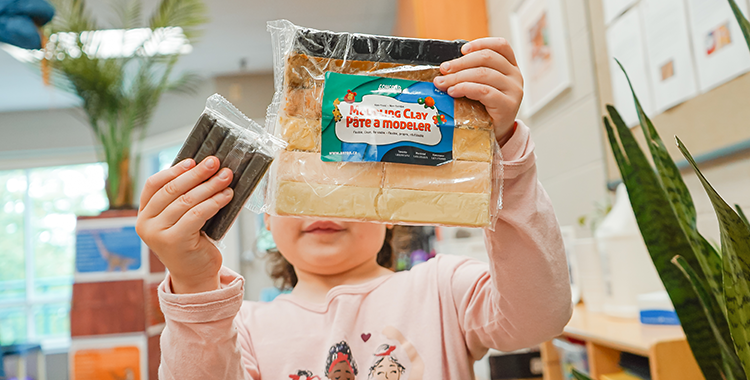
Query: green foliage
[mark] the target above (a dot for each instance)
(580, 375)
(120, 94)
(744, 24)
(712, 303)
(663, 233)
(735, 247)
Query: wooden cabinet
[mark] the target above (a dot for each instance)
(607, 337)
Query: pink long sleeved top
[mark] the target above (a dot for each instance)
(431, 322)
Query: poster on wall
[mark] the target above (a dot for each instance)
(120, 357)
(719, 47)
(542, 51)
(614, 8)
(669, 58)
(625, 43)
(109, 250)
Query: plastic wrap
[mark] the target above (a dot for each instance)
(460, 185)
(241, 145)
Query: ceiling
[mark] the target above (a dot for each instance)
(236, 32)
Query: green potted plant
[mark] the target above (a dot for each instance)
(120, 90)
(709, 286)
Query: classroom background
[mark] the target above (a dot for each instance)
(62, 313)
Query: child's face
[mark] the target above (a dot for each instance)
(387, 369)
(325, 247)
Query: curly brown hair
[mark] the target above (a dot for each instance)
(284, 277)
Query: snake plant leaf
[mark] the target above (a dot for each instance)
(580, 375)
(741, 214)
(669, 175)
(705, 298)
(703, 253)
(744, 24)
(664, 236)
(735, 242)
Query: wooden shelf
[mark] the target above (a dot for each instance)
(606, 337)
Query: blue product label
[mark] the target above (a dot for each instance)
(378, 119)
(659, 317)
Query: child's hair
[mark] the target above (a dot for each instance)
(282, 272)
(339, 352)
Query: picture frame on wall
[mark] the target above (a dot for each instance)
(540, 43)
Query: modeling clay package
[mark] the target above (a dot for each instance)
(241, 145)
(371, 138)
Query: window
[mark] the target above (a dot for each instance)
(38, 209)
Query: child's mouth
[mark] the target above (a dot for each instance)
(323, 227)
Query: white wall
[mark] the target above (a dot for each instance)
(568, 131)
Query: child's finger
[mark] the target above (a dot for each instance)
(482, 58)
(175, 210)
(497, 44)
(493, 99)
(158, 180)
(196, 217)
(481, 75)
(180, 185)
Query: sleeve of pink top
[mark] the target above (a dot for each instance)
(525, 298)
(200, 340)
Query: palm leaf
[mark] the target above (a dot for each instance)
(187, 83)
(744, 24)
(128, 13)
(72, 16)
(119, 95)
(735, 242)
(186, 14)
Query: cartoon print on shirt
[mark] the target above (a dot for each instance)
(386, 365)
(304, 375)
(340, 364)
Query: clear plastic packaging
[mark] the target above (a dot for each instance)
(460, 185)
(241, 145)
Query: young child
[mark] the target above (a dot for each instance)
(346, 309)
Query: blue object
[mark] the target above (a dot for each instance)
(19, 20)
(16, 349)
(270, 293)
(659, 317)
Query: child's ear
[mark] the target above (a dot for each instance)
(389, 226)
(267, 221)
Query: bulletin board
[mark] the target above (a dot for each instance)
(713, 124)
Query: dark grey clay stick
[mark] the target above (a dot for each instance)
(226, 146)
(212, 142)
(195, 138)
(217, 226)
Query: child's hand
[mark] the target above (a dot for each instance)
(488, 73)
(175, 204)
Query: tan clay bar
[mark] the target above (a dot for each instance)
(457, 193)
